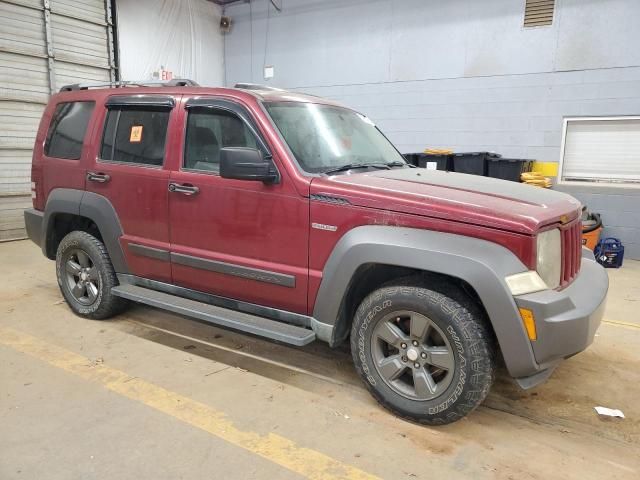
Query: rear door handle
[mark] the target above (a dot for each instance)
(185, 189)
(98, 177)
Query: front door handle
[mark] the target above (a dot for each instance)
(185, 189)
(98, 177)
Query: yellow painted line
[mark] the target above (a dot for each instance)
(275, 448)
(617, 323)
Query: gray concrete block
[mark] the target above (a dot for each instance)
(631, 252)
(544, 154)
(627, 74)
(546, 123)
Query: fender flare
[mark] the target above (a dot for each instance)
(92, 206)
(59, 200)
(480, 263)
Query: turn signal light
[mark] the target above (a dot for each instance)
(529, 323)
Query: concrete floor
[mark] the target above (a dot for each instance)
(155, 395)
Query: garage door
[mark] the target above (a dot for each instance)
(604, 149)
(44, 44)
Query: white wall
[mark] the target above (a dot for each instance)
(183, 36)
(461, 74)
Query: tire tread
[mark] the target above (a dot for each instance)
(480, 345)
(110, 304)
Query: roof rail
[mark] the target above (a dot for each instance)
(176, 82)
(256, 86)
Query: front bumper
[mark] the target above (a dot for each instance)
(33, 223)
(566, 320)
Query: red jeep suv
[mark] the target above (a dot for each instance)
(293, 218)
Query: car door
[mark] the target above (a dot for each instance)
(245, 240)
(129, 170)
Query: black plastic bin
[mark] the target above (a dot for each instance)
(433, 161)
(474, 163)
(508, 168)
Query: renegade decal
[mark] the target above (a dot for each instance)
(322, 226)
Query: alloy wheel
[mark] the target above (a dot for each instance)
(412, 355)
(82, 277)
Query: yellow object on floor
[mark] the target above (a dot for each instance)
(548, 169)
(438, 151)
(535, 178)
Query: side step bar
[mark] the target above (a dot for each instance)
(224, 317)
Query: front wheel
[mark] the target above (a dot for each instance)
(421, 354)
(86, 276)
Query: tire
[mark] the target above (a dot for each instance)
(441, 377)
(86, 276)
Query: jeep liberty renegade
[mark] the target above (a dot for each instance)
(293, 218)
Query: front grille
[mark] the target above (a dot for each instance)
(571, 235)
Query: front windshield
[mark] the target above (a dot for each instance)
(324, 137)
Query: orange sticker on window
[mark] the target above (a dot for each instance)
(136, 134)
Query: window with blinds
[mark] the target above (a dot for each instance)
(601, 149)
(538, 13)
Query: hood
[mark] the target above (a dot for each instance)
(453, 196)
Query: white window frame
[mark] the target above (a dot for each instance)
(560, 179)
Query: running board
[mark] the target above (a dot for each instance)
(245, 322)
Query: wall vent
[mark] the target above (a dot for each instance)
(538, 13)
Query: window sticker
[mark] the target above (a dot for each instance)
(136, 134)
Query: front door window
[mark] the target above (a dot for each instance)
(209, 130)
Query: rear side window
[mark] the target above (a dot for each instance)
(67, 129)
(135, 135)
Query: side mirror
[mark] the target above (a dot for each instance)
(241, 163)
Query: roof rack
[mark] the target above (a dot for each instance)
(256, 86)
(177, 82)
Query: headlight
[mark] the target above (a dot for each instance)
(549, 258)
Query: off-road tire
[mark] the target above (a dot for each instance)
(467, 333)
(104, 305)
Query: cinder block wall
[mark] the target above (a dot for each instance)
(620, 210)
(462, 74)
(519, 116)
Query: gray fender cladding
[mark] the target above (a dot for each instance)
(94, 207)
(60, 200)
(99, 209)
(480, 263)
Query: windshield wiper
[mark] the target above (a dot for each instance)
(399, 164)
(351, 166)
(382, 166)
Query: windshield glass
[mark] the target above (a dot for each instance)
(324, 137)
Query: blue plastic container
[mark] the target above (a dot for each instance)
(609, 252)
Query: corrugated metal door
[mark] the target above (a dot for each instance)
(601, 149)
(44, 44)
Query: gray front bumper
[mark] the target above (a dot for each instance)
(567, 320)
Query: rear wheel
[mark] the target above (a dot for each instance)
(422, 355)
(86, 276)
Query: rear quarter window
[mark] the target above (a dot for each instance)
(67, 130)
